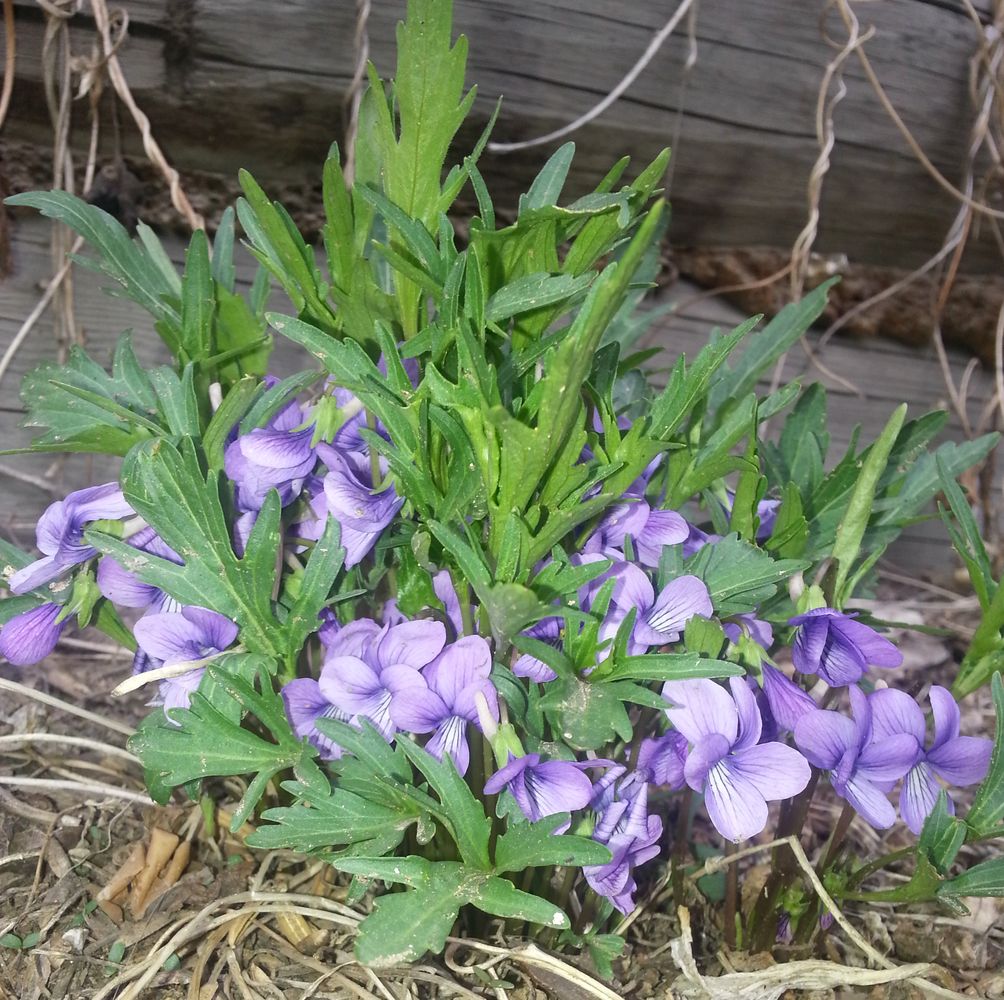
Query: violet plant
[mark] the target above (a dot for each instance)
(479, 614)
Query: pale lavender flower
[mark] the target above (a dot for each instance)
(277, 457)
(305, 704)
(442, 586)
(663, 617)
(441, 699)
(632, 835)
(837, 648)
(737, 774)
(544, 788)
(860, 768)
(787, 702)
(60, 534)
(660, 619)
(32, 635)
(123, 587)
(547, 630)
(364, 661)
(957, 760)
(649, 530)
(661, 760)
(186, 636)
(350, 498)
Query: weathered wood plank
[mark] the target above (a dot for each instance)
(886, 373)
(225, 88)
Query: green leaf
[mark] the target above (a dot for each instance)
(791, 530)
(966, 537)
(987, 810)
(405, 925)
(168, 489)
(852, 527)
(198, 300)
(666, 667)
(231, 411)
(534, 291)
(87, 410)
(469, 825)
(688, 387)
(586, 716)
(547, 185)
(983, 879)
(201, 742)
(739, 575)
(536, 845)
(140, 273)
(499, 897)
(942, 835)
(323, 567)
(336, 819)
(765, 347)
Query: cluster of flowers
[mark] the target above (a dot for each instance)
(740, 745)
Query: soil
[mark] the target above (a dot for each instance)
(60, 847)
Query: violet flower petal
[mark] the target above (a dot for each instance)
(32, 635)
(918, 796)
(946, 714)
(702, 708)
(735, 806)
(776, 771)
(895, 712)
(963, 760)
(679, 601)
(824, 737)
(787, 701)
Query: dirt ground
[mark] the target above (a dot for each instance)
(249, 925)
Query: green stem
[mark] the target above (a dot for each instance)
(836, 840)
(762, 926)
(731, 903)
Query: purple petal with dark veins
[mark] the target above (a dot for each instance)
(824, 737)
(32, 635)
(702, 708)
(963, 760)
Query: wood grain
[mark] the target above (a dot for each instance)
(227, 85)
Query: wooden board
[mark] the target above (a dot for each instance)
(885, 373)
(227, 84)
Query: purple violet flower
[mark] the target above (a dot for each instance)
(442, 586)
(60, 534)
(527, 665)
(350, 498)
(737, 774)
(650, 530)
(365, 662)
(957, 760)
(544, 788)
(662, 619)
(124, 588)
(441, 698)
(786, 701)
(632, 836)
(661, 760)
(860, 768)
(32, 635)
(176, 637)
(305, 704)
(277, 457)
(839, 649)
